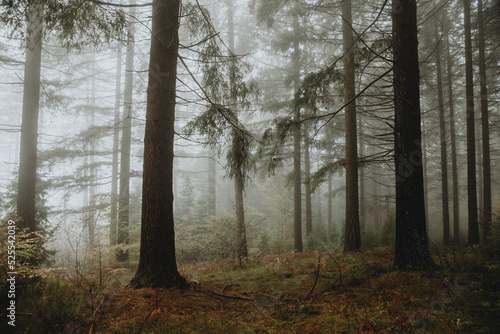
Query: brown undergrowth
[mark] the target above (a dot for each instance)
(314, 292)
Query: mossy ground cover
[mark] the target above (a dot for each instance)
(313, 292)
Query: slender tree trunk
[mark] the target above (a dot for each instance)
(411, 249)
(307, 186)
(297, 179)
(454, 166)
(329, 203)
(212, 184)
(91, 219)
(442, 133)
(157, 264)
(26, 197)
(484, 125)
(473, 237)
(239, 182)
(116, 141)
(352, 241)
(124, 197)
(362, 192)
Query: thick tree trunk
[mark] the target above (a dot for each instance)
(473, 236)
(124, 196)
(26, 197)
(362, 191)
(442, 133)
(453, 139)
(157, 264)
(114, 162)
(484, 125)
(352, 241)
(411, 249)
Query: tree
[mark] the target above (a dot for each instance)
(352, 241)
(124, 190)
(486, 214)
(411, 249)
(75, 24)
(442, 132)
(473, 236)
(29, 129)
(157, 263)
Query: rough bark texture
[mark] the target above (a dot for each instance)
(453, 139)
(442, 133)
(26, 207)
(411, 249)
(124, 196)
(473, 236)
(157, 264)
(352, 241)
(485, 130)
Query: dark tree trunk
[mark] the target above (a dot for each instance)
(454, 166)
(411, 249)
(212, 184)
(124, 196)
(157, 263)
(114, 162)
(352, 241)
(473, 237)
(442, 133)
(26, 197)
(484, 125)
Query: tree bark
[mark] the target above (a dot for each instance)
(352, 241)
(26, 197)
(114, 162)
(297, 179)
(453, 139)
(484, 125)
(307, 186)
(411, 249)
(157, 263)
(124, 196)
(442, 133)
(473, 235)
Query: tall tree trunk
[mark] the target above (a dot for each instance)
(157, 264)
(297, 179)
(473, 236)
(442, 133)
(329, 210)
(411, 249)
(239, 182)
(453, 139)
(114, 162)
(307, 186)
(91, 218)
(484, 125)
(124, 196)
(352, 241)
(26, 196)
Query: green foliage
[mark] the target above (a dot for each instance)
(76, 24)
(52, 305)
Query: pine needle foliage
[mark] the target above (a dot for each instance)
(226, 92)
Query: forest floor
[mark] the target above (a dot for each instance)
(313, 292)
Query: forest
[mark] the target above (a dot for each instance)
(249, 166)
